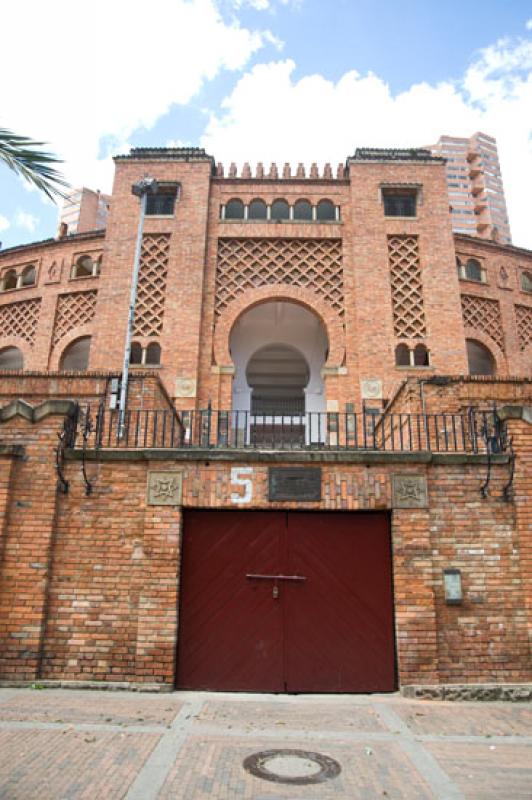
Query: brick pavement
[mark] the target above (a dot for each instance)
(68, 745)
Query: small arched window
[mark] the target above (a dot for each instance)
(479, 358)
(28, 276)
(10, 279)
(83, 267)
(11, 358)
(421, 356)
(326, 211)
(234, 209)
(135, 356)
(153, 354)
(280, 210)
(303, 210)
(257, 209)
(75, 357)
(402, 356)
(473, 270)
(526, 281)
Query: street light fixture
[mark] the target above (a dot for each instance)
(140, 189)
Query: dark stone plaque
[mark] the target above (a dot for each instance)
(294, 483)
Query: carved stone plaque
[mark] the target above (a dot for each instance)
(409, 491)
(371, 389)
(164, 488)
(185, 387)
(294, 483)
(52, 273)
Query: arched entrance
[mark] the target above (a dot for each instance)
(277, 375)
(279, 349)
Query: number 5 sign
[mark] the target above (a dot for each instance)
(241, 476)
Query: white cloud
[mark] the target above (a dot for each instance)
(529, 25)
(118, 69)
(25, 220)
(271, 117)
(258, 5)
(264, 5)
(4, 223)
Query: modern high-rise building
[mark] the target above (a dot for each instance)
(84, 210)
(474, 182)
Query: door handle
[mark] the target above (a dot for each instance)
(276, 577)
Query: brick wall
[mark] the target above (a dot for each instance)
(191, 334)
(89, 584)
(53, 261)
(145, 389)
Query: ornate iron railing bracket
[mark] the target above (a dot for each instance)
(66, 439)
(62, 483)
(88, 428)
(493, 432)
(508, 489)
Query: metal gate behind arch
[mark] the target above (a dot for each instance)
(291, 601)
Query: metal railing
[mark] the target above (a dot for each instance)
(471, 432)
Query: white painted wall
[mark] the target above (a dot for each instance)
(279, 322)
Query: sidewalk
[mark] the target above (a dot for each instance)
(101, 745)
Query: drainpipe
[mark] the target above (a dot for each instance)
(141, 189)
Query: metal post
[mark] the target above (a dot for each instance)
(140, 189)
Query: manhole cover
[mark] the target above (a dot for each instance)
(292, 766)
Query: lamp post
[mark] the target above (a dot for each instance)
(141, 189)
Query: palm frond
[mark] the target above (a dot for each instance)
(23, 156)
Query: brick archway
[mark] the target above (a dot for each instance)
(20, 344)
(76, 333)
(501, 365)
(306, 298)
(527, 358)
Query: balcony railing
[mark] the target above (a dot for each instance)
(472, 432)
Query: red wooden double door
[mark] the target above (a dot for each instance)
(291, 601)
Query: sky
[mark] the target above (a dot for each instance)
(261, 80)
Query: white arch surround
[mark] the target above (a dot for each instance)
(273, 323)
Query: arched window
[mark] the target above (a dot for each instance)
(11, 358)
(421, 356)
(135, 356)
(76, 356)
(10, 279)
(473, 270)
(257, 209)
(153, 354)
(83, 267)
(280, 210)
(526, 281)
(325, 211)
(28, 276)
(234, 209)
(402, 356)
(303, 210)
(480, 360)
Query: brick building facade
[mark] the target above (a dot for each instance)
(329, 325)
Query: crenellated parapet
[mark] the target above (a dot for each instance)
(278, 173)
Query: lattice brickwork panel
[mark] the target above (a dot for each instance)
(152, 284)
(483, 314)
(314, 264)
(20, 319)
(523, 317)
(407, 288)
(72, 311)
